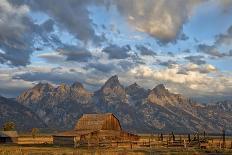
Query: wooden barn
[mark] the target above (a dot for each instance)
(8, 137)
(94, 128)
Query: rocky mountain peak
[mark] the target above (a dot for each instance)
(112, 92)
(136, 91)
(112, 82)
(134, 85)
(77, 85)
(36, 93)
(63, 88)
(133, 88)
(43, 87)
(160, 90)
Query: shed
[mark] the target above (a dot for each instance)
(8, 137)
(93, 128)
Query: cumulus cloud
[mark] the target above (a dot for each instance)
(162, 19)
(71, 15)
(20, 36)
(194, 82)
(13, 40)
(204, 69)
(117, 52)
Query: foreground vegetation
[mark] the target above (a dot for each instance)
(54, 150)
(42, 145)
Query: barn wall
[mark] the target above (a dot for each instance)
(8, 140)
(111, 123)
(62, 140)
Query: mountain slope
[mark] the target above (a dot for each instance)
(60, 106)
(138, 109)
(23, 117)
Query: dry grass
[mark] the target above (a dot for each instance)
(52, 150)
(42, 145)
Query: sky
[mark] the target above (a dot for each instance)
(184, 44)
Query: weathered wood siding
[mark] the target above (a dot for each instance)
(97, 122)
(111, 123)
(63, 140)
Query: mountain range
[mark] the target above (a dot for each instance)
(138, 109)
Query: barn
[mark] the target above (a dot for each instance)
(8, 137)
(94, 128)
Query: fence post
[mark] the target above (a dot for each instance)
(204, 134)
(173, 136)
(231, 145)
(189, 138)
(198, 139)
(223, 138)
(161, 136)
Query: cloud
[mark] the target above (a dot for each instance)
(169, 63)
(71, 15)
(117, 52)
(53, 75)
(196, 59)
(20, 36)
(224, 38)
(104, 68)
(75, 53)
(52, 57)
(210, 50)
(161, 19)
(10, 87)
(145, 51)
(204, 69)
(13, 40)
(225, 4)
(191, 84)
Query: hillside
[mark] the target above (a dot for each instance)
(138, 109)
(23, 117)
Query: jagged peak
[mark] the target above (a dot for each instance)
(43, 86)
(112, 82)
(160, 90)
(63, 86)
(134, 86)
(77, 85)
(160, 86)
(113, 78)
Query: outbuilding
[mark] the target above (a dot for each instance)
(8, 137)
(94, 129)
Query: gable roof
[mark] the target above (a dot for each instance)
(12, 134)
(92, 121)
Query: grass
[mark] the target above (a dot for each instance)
(52, 150)
(42, 145)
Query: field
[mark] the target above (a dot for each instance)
(42, 144)
(52, 150)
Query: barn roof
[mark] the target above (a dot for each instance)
(92, 121)
(12, 134)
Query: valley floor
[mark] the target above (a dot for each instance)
(52, 150)
(42, 145)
